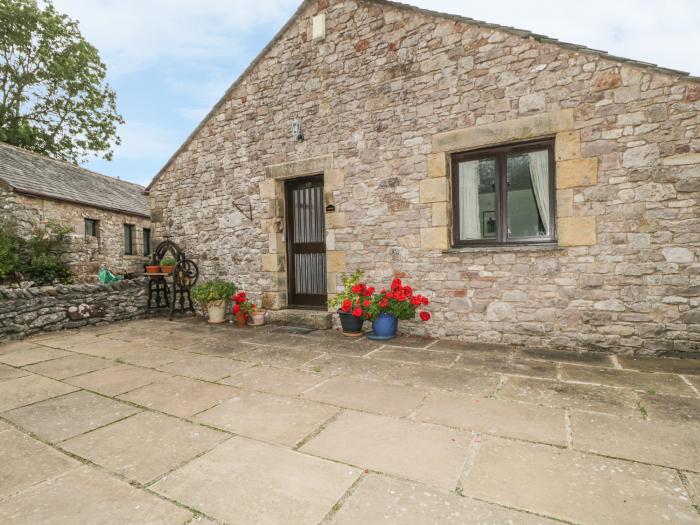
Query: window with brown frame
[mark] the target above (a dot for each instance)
(504, 195)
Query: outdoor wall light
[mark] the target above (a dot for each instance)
(296, 131)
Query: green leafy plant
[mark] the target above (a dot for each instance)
(354, 293)
(38, 258)
(168, 261)
(213, 291)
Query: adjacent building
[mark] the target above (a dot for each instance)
(541, 193)
(109, 217)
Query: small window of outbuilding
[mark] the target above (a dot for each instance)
(91, 227)
(129, 231)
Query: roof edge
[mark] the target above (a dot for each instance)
(524, 33)
(40, 195)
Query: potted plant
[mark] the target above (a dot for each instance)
(351, 304)
(258, 317)
(167, 264)
(152, 268)
(388, 307)
(214, 295)
(243, 308)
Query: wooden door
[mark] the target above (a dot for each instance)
(306, 243)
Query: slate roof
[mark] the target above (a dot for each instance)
(683, 75)
(33, 174)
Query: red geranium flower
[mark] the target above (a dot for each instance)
(407, 290)
(369, 291)
(347, 304)
(356, 289)
(425, 316)
(366, 303)
(390, 295)
(236, 308)
(426, 302)
(357, 312)
(400, 296)
(383, 303)
(396, 284)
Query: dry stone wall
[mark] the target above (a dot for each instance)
(384, 100)
(24, 312)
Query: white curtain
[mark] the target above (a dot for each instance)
(469, 223)
(539, 172)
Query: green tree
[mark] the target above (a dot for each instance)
(53, 94)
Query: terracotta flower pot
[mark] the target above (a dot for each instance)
(241, 318)
(258, 318)
(167, 269)
(217, 312)
(152, 269)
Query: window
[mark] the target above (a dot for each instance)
(129, 239)
(91, 227)
(147, 241)
(504, 195)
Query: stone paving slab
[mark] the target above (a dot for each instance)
(411, 341)
(670, 365)
(87, 496)
(384, 500)
(25, 461)
(118, 379)
(694, 380)
(569, 395)
(424, 453)
(30, 356)
(268, 417)
(280, 381)
(180, 396)
(206, 368)
(279, 357)
(70, 415)
(369, 396)
(69, 366)
(9, 372)
(663, 443)
(243, 481)
(465, 381)
(151, 357)
(522, 367)
(581, 358)
(428, 357)
(29, 389)
(104, 347)
(577, 487)
(66, 340)
(144, 446)
(494, 416)
(472, 348)
(11, 346)
(642, 381)
(362, 367)
(672, 408)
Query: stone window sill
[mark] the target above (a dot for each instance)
(553, 247)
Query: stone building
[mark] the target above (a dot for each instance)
(109, 217)
(541, 193)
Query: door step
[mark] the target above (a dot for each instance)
(313, 319)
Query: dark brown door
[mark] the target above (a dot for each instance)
(306, 242)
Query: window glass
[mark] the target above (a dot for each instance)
(146, 241)
(528, 194)
(128, 239)
(91, 227)
(477, 199)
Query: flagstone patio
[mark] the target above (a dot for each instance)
(178, 422)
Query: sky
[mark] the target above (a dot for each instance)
(171, 60)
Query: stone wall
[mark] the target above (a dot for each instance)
(24, 312)
(85, 254)
(384, 100)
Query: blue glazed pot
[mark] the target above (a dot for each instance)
(385, 326)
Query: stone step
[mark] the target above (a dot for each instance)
(314, 319)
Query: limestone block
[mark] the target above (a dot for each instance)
(435, 238)
(567, 145)
(333, 179)
(439, 214)
(437, 165)
(532, 103)
(577, 172)
(300, 168)
(678, 160)
(577, 231)
(268, 189)
(272, 262)
(565, 203)
(433, 190)
(523, 128)
(273, 300)
(335, 261)
(276, 243)
(336, 220)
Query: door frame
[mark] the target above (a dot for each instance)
(289, 221)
